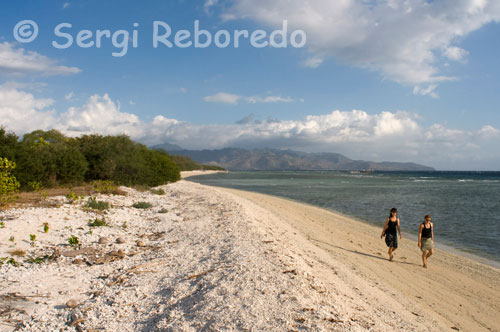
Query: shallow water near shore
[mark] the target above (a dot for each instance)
(465, 206)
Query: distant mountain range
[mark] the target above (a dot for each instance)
(273, 159)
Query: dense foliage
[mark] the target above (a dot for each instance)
(8, 182)
(50, 158)
(187, 164)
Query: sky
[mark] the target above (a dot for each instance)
(381, 80)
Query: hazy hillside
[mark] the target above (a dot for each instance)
(272, 159)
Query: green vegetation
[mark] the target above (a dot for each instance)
(187, 164)
(9, 185)
(73, 197)
(73, 241)
(45, 227)
(11, 239)
(104, 186)
(98, 222)
(2, 224)
(32, 237)
(158, 191)
(48, 158)
(8, 260)
(94, 204)
(163, 210)
(37, 260)
(142, 205)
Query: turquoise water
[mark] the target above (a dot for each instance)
(465, 206)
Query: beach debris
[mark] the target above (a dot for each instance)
(120, 278)
(72, 303)
(120, 240)
(455, 328)
(294, 272)
(103, 240)
(140, 243)
(78, 261)
(200, 274)
(74, 253)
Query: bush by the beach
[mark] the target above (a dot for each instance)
(187, 164)
(50, 158)
(8, 182)
(94, 204)
(98, 222)
(158, 191)
(142, 205)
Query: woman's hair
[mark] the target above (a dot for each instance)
(393, 210)
(427, 216)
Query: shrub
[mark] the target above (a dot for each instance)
(104, 186)
(158, 191)
(73, 197)
(142, 205)
(98, 222)
(45, 227)
(73, 241)
(8, 260)
(9, 185)
(94, 204)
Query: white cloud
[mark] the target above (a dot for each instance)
(392, 136)
(455, 53)
(69, 96)
(21, 112)
(132, 102)
(426, 91)
(222, 97)
(66, 5)
(313, 62)
(208, 6)
(18, 62)
(229, 98)
(402, 40)
(268, 99)
(99, 115)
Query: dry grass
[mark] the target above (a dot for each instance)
(36, 198)
(17, 252)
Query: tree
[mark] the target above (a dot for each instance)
(8, 182)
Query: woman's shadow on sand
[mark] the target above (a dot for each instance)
(360, 253)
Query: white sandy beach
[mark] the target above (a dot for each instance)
(226, 260)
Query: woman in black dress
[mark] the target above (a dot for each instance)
(390, 231)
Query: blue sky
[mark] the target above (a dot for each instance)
(381, 80)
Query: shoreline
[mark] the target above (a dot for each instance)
(444, 266)
(447, 246)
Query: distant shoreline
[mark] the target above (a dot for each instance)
(188, 174)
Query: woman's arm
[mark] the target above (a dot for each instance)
(420, 235)
(385, 227)
(432, 232)
(399, 230)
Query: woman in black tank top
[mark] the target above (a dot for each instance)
(426, 239)
(390, 231)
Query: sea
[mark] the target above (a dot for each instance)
(464, 206)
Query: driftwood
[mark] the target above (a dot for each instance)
(200, 274)
(120, 278)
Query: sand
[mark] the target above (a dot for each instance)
(224, 260)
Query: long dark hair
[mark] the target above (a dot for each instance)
(393, 210)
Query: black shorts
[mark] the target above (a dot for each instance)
(391, 240)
